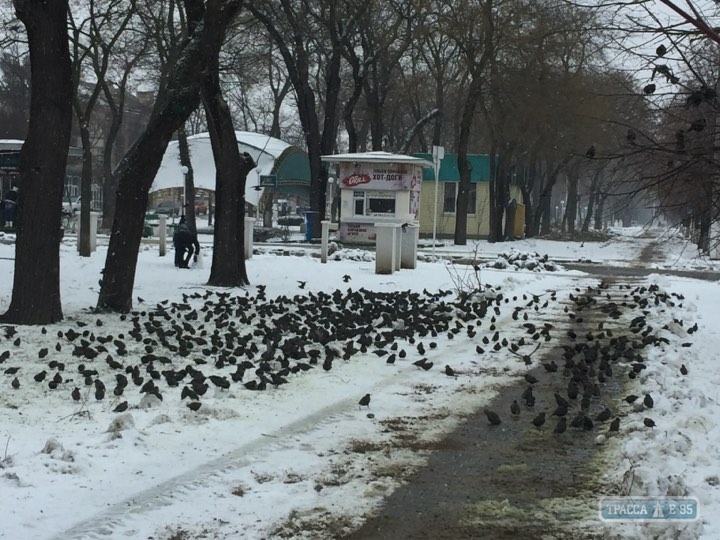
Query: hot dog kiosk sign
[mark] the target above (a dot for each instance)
(378, 177)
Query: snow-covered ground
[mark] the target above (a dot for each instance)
(303, 459)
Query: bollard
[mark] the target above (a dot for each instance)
(94, 217)
(386, 250)
(324, 242)
(249, 226)
(410, 237)
(162, 233)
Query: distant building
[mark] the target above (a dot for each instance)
(284, 165)
(478, 218)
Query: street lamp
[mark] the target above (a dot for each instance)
(184, 170)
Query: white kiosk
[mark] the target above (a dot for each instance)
(379, 202)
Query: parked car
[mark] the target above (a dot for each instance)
(201, 207)
(170, 208)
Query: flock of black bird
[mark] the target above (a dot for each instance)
(214, 340)
(588, 363)
(219, 340)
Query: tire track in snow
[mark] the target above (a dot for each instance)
(101, 525)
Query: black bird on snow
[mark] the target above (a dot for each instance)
(301, 284)
(530, 378)
(40, 376)
(683, 370)
(390, 359)
(420, 363)
(648, 401)
(492, 417)
(122, 407)
(346, 278)
(515, 407)
(561, 425)
(539, 420)
(15, 383)
(561, 410)
(561, 401)
(604, 415)
(364, 401)
(649, 422)
(450, 372)
(631, 398)
(75, 394)
(194, 405)
(615, 425)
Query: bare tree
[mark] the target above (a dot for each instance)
(95, 34)
(36, 281)
(177, 98)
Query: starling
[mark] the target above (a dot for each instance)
(75, 394)
(578, 420)
(122, 407)
(615, 425)
(515, 407)
(15, 383)
(561, 401)
(551, 367)
(346, 278)
(648, 401)
(539, 420)
(450, 372)
(194, 405)
(40, 376)
(364, 401)
(530, 378)
(561, 410)
(683, 370)
(391, 359)
(649, 422)
(561, 425)
(631, 398)
(492, 417)
(603, 415)
(587, 424)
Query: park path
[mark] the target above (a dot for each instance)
(515, 481)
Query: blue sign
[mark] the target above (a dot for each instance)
(648, 509)
(268, 180)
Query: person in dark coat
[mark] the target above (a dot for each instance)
(185, 243)
(10, 207)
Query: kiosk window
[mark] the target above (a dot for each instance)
(374, 203)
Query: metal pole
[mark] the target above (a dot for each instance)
(438, 153)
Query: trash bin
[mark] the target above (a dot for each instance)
(312, 224)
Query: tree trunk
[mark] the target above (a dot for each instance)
(591, 202)
(266, 203)
(138, 168)
(36, 281)
(85, 189)
(188, 209)
(572, 200)
(600, 211)
(473, 94)
(232, 168)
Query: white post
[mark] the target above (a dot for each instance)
(162, 233)
(438, 153)
(385, 247)
(249, 225)
(94, 216)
